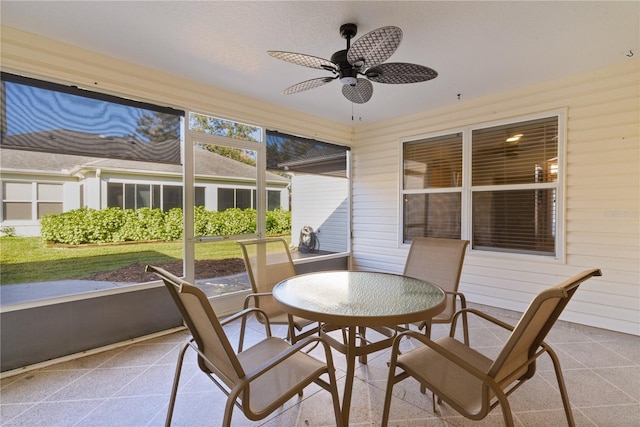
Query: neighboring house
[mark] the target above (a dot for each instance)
(36, 183)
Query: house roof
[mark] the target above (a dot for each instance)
(23, 159)
(92, 144)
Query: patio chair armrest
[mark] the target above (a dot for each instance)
(246, 312)
(255, 295)
(463, 300)
(481, 314)
(443, 352)
(463, 305)
(293, 349)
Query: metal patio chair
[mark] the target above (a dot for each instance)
(439, 261)
(268, 261)
(258, 380)
(473, 384)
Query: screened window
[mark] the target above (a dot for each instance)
(42, 116)
(319, 190)
(510, 181)
(227, 128)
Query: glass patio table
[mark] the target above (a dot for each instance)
(356, 300)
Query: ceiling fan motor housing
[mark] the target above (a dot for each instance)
(346, 72)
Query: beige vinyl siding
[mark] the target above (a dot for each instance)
(602, 195)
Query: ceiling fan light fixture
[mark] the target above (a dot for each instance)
(348, 76)
(515, 138)
(348, 80)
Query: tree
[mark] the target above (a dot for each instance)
(157, 127)
(229, 129)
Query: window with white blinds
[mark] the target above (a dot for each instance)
(432, 181)
(508, 201)
(514, 174)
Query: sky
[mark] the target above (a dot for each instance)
(32, 109)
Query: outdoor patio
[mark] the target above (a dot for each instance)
(130, 385)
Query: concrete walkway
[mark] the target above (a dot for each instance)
(41, 291)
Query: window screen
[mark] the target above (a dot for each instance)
(291, 153)
(42, 116)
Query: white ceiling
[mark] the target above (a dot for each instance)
(476, 47)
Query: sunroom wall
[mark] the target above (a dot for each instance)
(602, 186)
(602, 195)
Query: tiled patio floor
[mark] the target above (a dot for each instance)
(129, 386)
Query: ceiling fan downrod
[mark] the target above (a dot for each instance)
(347, 73)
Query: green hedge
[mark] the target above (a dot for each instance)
(117, 225)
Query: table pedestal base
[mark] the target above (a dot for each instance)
(351, 350)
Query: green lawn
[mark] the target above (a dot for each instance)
(28, 259)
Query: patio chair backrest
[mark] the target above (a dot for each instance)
(205, 328)
(268, 262)
(533, 327)
(439, 261)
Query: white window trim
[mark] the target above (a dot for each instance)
(466, 189)
(34, 199)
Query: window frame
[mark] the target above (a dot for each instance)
(429, 190)
(467, 188)
(34, 199)
(157, 193)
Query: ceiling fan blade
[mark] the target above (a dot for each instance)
(375, 47)
(307, 84)
(304, 60)
(400, 72)
(360, 93)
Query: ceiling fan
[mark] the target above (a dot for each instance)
(364, 58)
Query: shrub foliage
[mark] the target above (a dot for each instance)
(87, 225)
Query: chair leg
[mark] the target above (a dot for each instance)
(427, 329)
(465, 325)
(176, 380)
(389, 392)
(427, 333)
(333, 383)
(243, 325)
(228, 410)
(561, 385)
(465, 328)
(506, 409)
